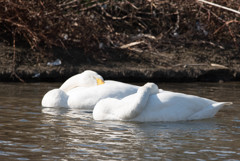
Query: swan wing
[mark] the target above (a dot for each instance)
(171, 106)
(88, 97)
(209, 112)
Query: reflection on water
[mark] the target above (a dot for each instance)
(27, 133)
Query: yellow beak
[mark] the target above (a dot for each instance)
(99, 81)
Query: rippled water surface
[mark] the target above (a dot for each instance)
(27, 133)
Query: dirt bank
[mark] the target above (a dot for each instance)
(180, 64)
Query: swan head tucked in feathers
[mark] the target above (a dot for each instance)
(59, 97)
(87, 78)
(152, 87)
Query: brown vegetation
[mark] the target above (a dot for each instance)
(110, 24)
(97, 27)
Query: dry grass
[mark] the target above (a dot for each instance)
(100, 25)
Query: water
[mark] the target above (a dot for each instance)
(26, 133)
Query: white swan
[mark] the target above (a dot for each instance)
(85, 90)
(150, 104)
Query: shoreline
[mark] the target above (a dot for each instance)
(178, 64)
(180, 73)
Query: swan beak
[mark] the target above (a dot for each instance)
(99, 81)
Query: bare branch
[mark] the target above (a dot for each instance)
(219, 6)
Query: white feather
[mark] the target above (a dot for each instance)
(163, 106)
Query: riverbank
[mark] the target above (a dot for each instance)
(180, 64)
(171, 41)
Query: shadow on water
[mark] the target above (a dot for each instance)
(29, 132)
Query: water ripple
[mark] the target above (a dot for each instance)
(28, 132)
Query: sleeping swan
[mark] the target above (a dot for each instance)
(150, 104)
(84, 90)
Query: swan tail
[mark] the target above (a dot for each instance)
(220, 105)
(209, 112)
(227, 103)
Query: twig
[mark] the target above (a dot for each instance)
(14, 58)
(226, 24)
(131, 44)
(14, 51)
(212, 65)
(218, 65)
(187, 65)
(113, 17)
(141, 35)
(96, 4)
(217, 5)
(234, 38)
(214, 14)
(176, 24)
(229, 30)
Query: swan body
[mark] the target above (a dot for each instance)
(55, 98)
(85, 90)
(87, 98)
(149, 105)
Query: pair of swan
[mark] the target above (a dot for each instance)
(112, 100)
